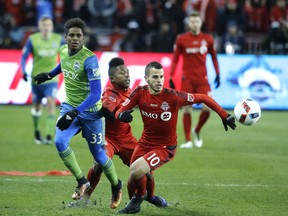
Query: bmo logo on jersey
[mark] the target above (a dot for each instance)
(165, 116)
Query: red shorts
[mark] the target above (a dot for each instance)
(123, 149)
(155, 156)
(196, 87)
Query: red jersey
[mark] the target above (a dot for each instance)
(194, 49)
(112, 99)
(160, 112)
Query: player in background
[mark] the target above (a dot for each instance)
(44, 46)
(159, 111)
(82, 107)
(118, 135)
(194, 46)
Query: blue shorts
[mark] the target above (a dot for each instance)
(91, 124)
(44, 90)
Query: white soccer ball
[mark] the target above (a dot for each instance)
(247, 112)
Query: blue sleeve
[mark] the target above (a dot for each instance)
(95, 96)
(55, 71)
(27, 49)
(91, 67)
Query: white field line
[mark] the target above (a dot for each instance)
(184, 184)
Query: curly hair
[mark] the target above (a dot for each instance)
(74, 22)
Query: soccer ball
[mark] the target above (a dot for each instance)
(247, 112)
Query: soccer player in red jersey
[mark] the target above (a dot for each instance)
(159, 111)
(194, 46)
(118, 135)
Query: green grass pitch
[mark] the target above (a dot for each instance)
(241, 172)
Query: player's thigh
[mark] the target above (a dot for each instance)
(188, 86)
(205, 89)
(50, 90)
(37, 94)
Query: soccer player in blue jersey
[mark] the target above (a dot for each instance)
(44, 46)
(82, 107)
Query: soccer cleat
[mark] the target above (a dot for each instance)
(80, 191)
(116, 195)
(198, 142)
(188, 144)
(157, 201)
(134, 205)
(48, 140)
(38, 140)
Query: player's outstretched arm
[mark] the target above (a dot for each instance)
(41, 78)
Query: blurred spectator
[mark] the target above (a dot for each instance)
(76, 8)
(231, 12)
(207, 10)
(124, 13)
(14, 7)
(276, 41)
(147, 13)
(13, 34)
(163, 39)
(134, 41)
(172, 10)
(102, 13)
(29, 12)
(233, 42)
(258, 21)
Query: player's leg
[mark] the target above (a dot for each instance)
(203, 117)
(138, 170)
(62, 139)
(93, 133)
(50, 94)
(187, 124)
(143, 161)
(187, 115)
(36, 112)
(95, 172)
(151, 198)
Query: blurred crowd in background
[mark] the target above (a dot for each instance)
(238, 26)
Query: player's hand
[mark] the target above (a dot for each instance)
(41, 78)
(126, 116)
(25, 77)
(217, 81)
(107, 114)
(229, 121)
(171, 84)
(66, 120)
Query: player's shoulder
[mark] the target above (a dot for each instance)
(207, 36)
(174, 93)
(139, 90)
(35, 35)
(183, 35)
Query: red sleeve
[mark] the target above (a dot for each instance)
(110, 99)
(213, 53)
(184, 98)
(177, 52)
(211, 103)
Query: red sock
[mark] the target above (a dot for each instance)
(150, 185)
(204, 115)
(131, 188)
(93, 176)
(140, 185)
(187, 122)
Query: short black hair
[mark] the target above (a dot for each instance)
(152, 64)
(74, 22)
(114, 62)
(45, 17)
